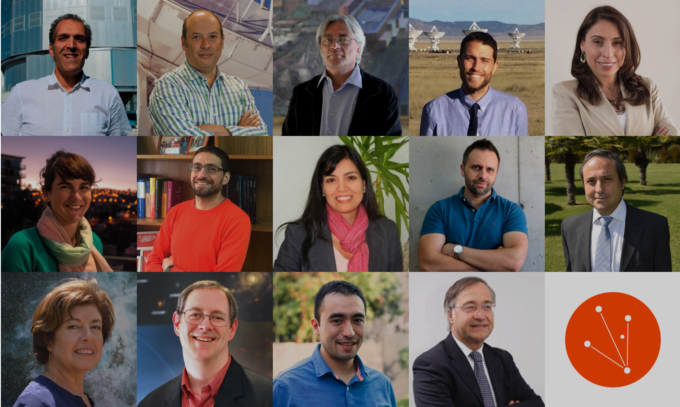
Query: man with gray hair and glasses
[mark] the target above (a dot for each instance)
(345, 100)
(614, 236)
(206, 321)
(464, 371)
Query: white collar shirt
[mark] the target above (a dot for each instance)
(616, 229)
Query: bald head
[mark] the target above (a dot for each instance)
(201, 17)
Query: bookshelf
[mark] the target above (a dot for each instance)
(247, 156)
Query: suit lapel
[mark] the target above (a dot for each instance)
(634, 117)
(375, 247)
(232, 386)
(321, 255)
(365, 94)
(608, 116)
(495, 368)
(462, 366)
(585, 229)
(175, 399)
(316, 104)
(631, 236)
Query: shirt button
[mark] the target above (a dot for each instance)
(473, 210)
(67, 130)
(67, 111)
(331, 114)
(348, 389)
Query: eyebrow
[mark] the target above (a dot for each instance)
(199, 309)
(77, 319)
(68, 183)
(339, 315)
(599, 36)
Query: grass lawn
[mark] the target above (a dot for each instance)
(661, 195)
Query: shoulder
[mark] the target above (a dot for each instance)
(435, 354)
(164, 392)
(97, 242)
(100, 86)
(508, 205)
(649, 217)
(304, 85)
(232, 211)
(379, 378)
(441, 205)
(175, 77)
(575, 220)
(23, 238)
(371, 81)
(386, 225)
(444, 100)
(507, 99)
(498, 352)
(32, 85)
(566, 87)
(36, 395)
(233, 80)
(303, 369)
(257, 380)
(295, 231)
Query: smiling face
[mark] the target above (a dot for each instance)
(480, 172)
(341, 326)
(77, 344)
(472, 328)
(603, 187)
(70, 47)
(605, 50)
(203, 183)
(69, 200)
(336, 56)
(344, 189)
(476, 66)
(204, 342)
(204, 42)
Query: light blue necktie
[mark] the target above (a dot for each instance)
(484, 386)
(603, 249)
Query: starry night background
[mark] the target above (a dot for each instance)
(159, 357)
(112, 382)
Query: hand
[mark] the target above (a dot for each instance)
(249, 119)
(660, 131)
(513, 402)
(215, 129)
(167, 262)
(447, 249)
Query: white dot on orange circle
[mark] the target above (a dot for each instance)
(628, 318)
(587, 344)
(623, 336)
(626, 370)
(598, 309)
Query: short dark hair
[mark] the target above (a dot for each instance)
(224, 158)
(482, 37)
(339, 286)
(620, 168)
(88, 30)
(184, 24)
(208, 285)
(460, 286)
(484, 145)
(68, 166)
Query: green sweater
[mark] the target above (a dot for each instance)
(26, 251)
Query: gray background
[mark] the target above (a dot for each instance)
(435, 175)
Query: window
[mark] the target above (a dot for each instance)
(19, 23)
(34, 19)
(120, 14)
(98, 13)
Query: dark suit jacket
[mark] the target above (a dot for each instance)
(241, 388)
(443, 377)
(383, 246)
(376, 112)
(646, 241)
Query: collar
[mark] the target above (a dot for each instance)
(483, 102)
(322, 368)
(53, 83)
(466, 351)
(618, 214)
(213, 386)
(194, 75)
(463, 199)
(354, 78)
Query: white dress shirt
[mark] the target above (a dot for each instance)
(616, 229)
(467, 352)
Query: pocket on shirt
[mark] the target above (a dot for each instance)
(94, 124)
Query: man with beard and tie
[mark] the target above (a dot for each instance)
(474, 230)
(475, 109)
(209, 233)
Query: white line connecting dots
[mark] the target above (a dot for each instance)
(626, 364)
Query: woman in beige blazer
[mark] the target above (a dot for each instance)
(607, 98)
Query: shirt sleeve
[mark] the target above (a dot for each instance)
(248, 103)
(168, 113)
(119, 125)
(282, 395)
(434, 220)
(428, 127)
(234, 246)
(18, 254)
(12, 113)
(522, 120)
(515, 221)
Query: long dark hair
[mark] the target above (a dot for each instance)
(588, 88)
(314, 216)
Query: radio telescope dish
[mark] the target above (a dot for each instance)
(413, 35)
(516, 38)
(435, 36)
(474, 28)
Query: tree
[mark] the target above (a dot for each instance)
(569, 151)
(639, 149)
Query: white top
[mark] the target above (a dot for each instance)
(623, 119)
(616, 230)
(467, 352)
(341, 262)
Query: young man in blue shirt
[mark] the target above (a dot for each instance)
(334, 375)
(474, 230)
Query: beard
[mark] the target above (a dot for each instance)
(469, 88)
(476, 190)
(209, 190)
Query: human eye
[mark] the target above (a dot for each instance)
(352, 177)
(469, 308)
(97, 327)
(218, 317)
(329, 180)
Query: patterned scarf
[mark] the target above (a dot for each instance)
(352, 238)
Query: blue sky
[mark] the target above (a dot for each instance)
(505, 11)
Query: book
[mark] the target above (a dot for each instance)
(152, 198)
(164, 199)
(147, 201)
(140, 198)
(145, 242)
(175, 193)
(159, 197)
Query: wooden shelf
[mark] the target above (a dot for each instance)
(263, 224)
(191, 157)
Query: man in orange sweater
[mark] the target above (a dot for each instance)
(209, 233)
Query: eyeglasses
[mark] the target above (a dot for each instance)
(195, 318)
(210, 169)
(342, 41)
(472, 308)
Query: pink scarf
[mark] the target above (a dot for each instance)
(352, 238)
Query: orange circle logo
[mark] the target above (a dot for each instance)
(613, 339)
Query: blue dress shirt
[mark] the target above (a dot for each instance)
(466, 225)
(499, 114)
(43, 392)
(338, 105)
(42, 107)
(311, 382)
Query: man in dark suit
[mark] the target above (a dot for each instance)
(462, 370)
(205, 322)
(614, 236)
(345, 100)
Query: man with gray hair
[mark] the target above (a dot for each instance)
(345, 99)
(462, 370)
(614, 236)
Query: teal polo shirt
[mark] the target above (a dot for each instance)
(466, 225)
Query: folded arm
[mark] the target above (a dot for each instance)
(661, 116)
(431, 258)
(509, 257)
(161, 249)
(248, 124)
(168, 113)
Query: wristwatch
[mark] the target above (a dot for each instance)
(167, 269)
(457, 251)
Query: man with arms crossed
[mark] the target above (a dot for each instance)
(196, 99)
(68, 102)
(462, 370)
(205, 322)
(475, 109)
(209, 233)
(334, 374)
(475, 229)
(614, 236)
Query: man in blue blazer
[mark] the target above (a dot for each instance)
(462, 370)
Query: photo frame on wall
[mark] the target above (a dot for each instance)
(197, 142)
(175, 145)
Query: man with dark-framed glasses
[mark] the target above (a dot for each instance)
(209, 233)
(345, 99)
(205, 322)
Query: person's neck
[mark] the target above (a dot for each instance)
(72, 232)
(201, 373)
(339, 76)
(208, 202)
(610, 83)
(472, 346)
(70, 380)
(350, 217)
(612, 210)
(475, 95)
(476, 200)
(343, 368)
(67, 81)
(210, 75)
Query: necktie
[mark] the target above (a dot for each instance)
(472, 129)
(603, 249)
(481, 380)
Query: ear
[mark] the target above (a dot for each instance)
(495, 66)
(582, 43)
(48, 343)
(315, 326)
(51, 51)
(176, 319)
(46, 196)
(225, 180)
(184, 45)
(623, 183)
(364, 186)
(232, 329)
(450, 315)
(458, 60)
(462, 170)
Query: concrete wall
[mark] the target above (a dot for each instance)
(435, 175)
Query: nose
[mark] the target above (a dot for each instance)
(479, 313)
(342, 185)
(335, 44)
(205, 43)
(206, 323)
(606, 49)
(599, 187)
(76, 195)
(348, 329)
(87, 335)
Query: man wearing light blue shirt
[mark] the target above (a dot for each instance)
(475, 109)
(67, 102)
